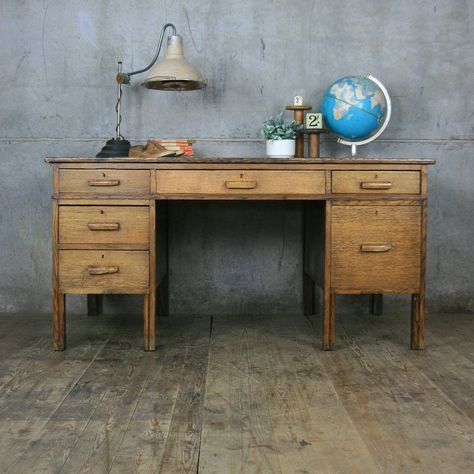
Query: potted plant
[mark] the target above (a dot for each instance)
(280, 136)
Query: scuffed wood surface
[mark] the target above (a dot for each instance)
(237, 394)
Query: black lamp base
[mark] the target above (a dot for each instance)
(113, 148)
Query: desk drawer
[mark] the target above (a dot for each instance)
(104, 182)
(376, 182)
(236, 182)
(103, 271)
(104, 225)
(375, 248)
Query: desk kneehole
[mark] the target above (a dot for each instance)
(103, 271)
(239, 182)
(376, 248)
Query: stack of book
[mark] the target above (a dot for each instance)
(177, 145)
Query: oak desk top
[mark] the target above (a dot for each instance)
(252, 160)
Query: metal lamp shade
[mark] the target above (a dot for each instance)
(174, 73)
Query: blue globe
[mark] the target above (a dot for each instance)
(353, 107)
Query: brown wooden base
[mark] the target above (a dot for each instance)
(95, 302)
(59, 320)
(149, 326)
(417, 321)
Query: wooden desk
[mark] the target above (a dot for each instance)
(364, 226)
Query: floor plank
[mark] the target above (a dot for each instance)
(296, 419)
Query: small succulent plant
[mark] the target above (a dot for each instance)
(275, 128)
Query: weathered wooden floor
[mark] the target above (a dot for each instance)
(237, 394)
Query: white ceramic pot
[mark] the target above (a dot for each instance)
(280, 148)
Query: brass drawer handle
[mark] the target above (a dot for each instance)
(103, 182)
(102, 270)
(375, 247)
(103, 226)
(375, 184)
(241, 184)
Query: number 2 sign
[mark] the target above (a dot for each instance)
(313, 121)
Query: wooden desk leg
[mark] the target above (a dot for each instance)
(329, 321)
(376, 304)
(94, 305)
(163, 297)
(59, 321)
(309, 295)
(58, 310)
(418, 321)
(418, 299)
(149, 327)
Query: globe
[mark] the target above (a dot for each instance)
(355, 107)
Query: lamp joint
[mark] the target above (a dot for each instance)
(122, 78)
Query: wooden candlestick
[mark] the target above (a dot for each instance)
(299, 111)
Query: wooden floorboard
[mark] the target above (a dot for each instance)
(232, 394)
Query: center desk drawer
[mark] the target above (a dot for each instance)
(103, 271)
(104, 182)
(245, 182)
(375, 248)
(376, 182)
(104, 225)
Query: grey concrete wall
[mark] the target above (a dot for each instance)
(58, 61)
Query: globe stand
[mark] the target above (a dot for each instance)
(354, 144)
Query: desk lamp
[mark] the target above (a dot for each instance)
(174, 73)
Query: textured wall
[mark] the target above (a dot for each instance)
(57, 98)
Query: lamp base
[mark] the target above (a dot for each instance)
(113, 148)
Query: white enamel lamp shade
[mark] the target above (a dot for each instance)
(174, 73)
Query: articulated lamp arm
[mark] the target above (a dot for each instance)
(124, 77)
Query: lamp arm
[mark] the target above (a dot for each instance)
(124, 77)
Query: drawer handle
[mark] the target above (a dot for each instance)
(102, 270)
(375, 248)
(103, 182)
(241, 184)
(103, 226)
(375, 184)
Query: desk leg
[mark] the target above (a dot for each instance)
(376, 304)
(59, 321)
(309, 295)
(58, 304)
(149, 307)
(149, 327)
(94, 305)
(329, 321)
(329, 313)
(418, 321)
(418, 299)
